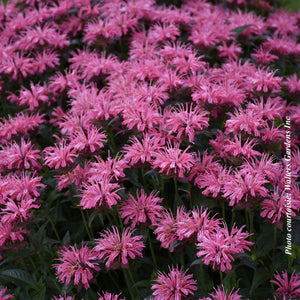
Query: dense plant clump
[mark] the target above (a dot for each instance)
(149, 150)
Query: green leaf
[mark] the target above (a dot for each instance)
(245, 260)
(239, 30)
(261, 275)
(196, 262)
(141, 284)
(16, 276)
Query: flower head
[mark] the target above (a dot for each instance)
(109, 296)
(176, 285)
(77, 265)
(288, 286)
(218, 247)
(221, 294)
(141, 210)
(117, 249)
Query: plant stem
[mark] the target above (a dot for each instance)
(274, 246)
(223, 211)
(251, 215)
(176, 202)
(232, 218)
(152, 250)
(54, 229)
(221, 277)
(86, 225)
(203, 289)
(114, 281)
(128, 283)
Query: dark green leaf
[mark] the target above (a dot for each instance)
(16, 276)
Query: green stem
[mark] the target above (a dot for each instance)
(33, 264)
(152, 250)
(232, 218)
(176, 202)
(247, 220)
(86, 225)
(54, 229)
(221, 277)
(131, 276)
(274, 246)
(128, 284)
(251, 216)
(114, 281)
(223, 211)
(203, 289)
(46, 268)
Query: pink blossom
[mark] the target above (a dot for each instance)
(288, 286)
(60, 155)
(166, 230)
(221, 294)
(117, 249)
(77, 265)
(173, 161)
(100, 194)
(141, 210)
(218, 247)
(186, 121)
(175, 285)
(142, 151)
(109, 296)
(5, 297)
(23, 156)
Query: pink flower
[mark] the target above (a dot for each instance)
(111, 167)
(23, 185)
(288, 286)
(222, 294)
(18, 211)
(99, 194)
(117, 249)
(186, 121)
(6, 297)
(143, 210)
(9, 234)
(166, 230)
(242, 185)
(77, 265)
(65, 297)
(142, 151)
(231, 51)
(88, 140)
(60, 155)
(195, 223)
(79, 176)
(218, 247)
(159, 33)
(23, 156)
(33, 98)
(264, 56)
(109, 296)
(20, 124)
(176, 285)
(173, 161)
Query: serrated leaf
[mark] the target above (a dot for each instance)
(240, 29)
(141, 284)
(16, 276)
(174, 245)
(260, 276)
(245, 260)
(196, 262)
(66, 239)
